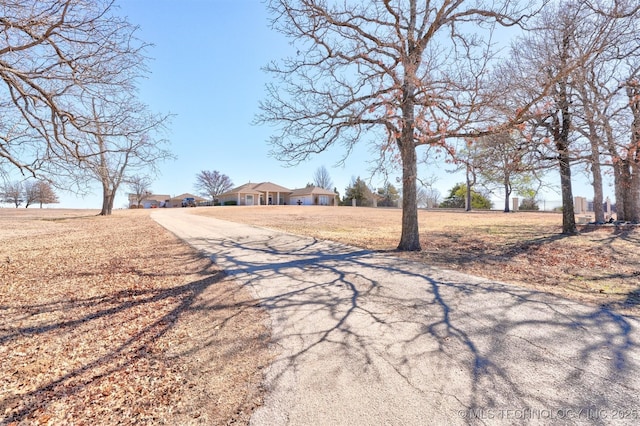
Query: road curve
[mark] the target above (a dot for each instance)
(365, 338)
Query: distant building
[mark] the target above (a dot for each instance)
(153, 201)
(268, 193)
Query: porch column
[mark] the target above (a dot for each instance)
(238, 198)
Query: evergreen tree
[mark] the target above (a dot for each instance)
(457, 195)
(389, 196)
(359, 191)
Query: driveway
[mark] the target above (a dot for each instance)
(365, 338)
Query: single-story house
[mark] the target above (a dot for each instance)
(150, 201)
(177, 200)
(153, 201)
(267, 193)
(313, 196)
(256, 194)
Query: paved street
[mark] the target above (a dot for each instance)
(365, 338)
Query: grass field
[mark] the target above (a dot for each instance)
(114, 321)
(601, 265)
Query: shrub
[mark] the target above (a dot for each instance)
(529, 204)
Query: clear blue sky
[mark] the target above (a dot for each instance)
(206, 69)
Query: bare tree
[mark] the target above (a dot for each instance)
(428, 197)
(615, 124)
(40, 192)
(592, 132)
(506, 162)
(604, 117)
(406, 69)
(140, 187)
(12, 193)
(30, 193)
(55, 54)
(422, 198)
(46, 194)
(212, 183)
(322, 179)
(547, 53)
(633, 153)
(471, 162)
(123, 141)
(569, 37)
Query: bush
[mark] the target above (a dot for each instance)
(230, 203)
(452, 203)
(529, 204)
(457, 195)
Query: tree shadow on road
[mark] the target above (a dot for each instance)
(455, 340)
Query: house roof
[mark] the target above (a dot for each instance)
(270, 187)
(187, 195)
(311, 190)
(247, 188)
(151, 197)
(257, 188)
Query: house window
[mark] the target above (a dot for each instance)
(249, 200)
(324, 200)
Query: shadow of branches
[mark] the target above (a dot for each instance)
(133, 354)
(350, 322)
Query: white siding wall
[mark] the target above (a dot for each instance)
(306, 200)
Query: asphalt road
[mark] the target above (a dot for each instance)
(364, 338)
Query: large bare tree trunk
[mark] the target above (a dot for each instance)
(108, 197)
(560, 129)
(619, 191)
(467, 197)
(364, 66)
(634, 190)
(622, 175)
(594, 138)
(633, 154)
(410, 236)
(620, 179)
(598, 196)
(568, 211)
(596, 170)
(507, 194)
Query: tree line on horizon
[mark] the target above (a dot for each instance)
(30, 192)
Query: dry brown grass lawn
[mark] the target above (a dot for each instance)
(112, 320)
(601, 265)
